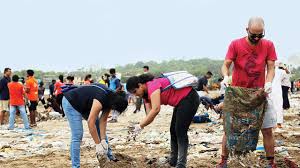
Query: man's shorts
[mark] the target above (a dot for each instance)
(33, 105)
(4, 105)
(270, 119)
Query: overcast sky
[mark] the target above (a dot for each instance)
(69, 34)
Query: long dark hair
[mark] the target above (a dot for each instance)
(117, 101)
(133, 82)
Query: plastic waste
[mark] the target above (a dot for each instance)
(55, 115)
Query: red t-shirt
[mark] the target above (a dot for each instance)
(169, 97)
(250, 62)
(16, 93)
(57, 87)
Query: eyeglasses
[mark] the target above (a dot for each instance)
(253, 36)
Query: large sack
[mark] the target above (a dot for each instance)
(244, 110)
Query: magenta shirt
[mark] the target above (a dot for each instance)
(169, 97)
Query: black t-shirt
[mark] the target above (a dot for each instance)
(4, 92)
(82, 98)
(202, 81)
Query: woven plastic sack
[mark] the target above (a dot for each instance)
(244, 110)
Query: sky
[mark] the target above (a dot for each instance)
(65, 35)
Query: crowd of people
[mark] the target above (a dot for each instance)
(254, 67)
(15, 95)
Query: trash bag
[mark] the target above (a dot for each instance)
(244, 110)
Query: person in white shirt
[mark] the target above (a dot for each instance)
(275, 100)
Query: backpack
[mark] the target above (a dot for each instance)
(179, 80)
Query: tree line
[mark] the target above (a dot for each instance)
(197, 67)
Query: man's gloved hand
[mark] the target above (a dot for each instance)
(135, 130)
(268, 87)
(226, 81)
(102, 148)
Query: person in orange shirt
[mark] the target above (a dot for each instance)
(32, 95)
(16, 93)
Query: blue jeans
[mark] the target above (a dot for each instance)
(12, 116)
(75, 122)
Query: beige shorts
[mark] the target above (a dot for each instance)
(4, 105)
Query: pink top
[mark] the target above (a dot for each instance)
(169, 97)
(250, 62)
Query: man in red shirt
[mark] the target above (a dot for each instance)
(252, 56)
(32, 95)
(16, 93)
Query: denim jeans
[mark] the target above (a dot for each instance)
(75, 122)
(12, 116)
(182, 117)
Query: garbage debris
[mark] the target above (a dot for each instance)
(55, 115)
(49, 143)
